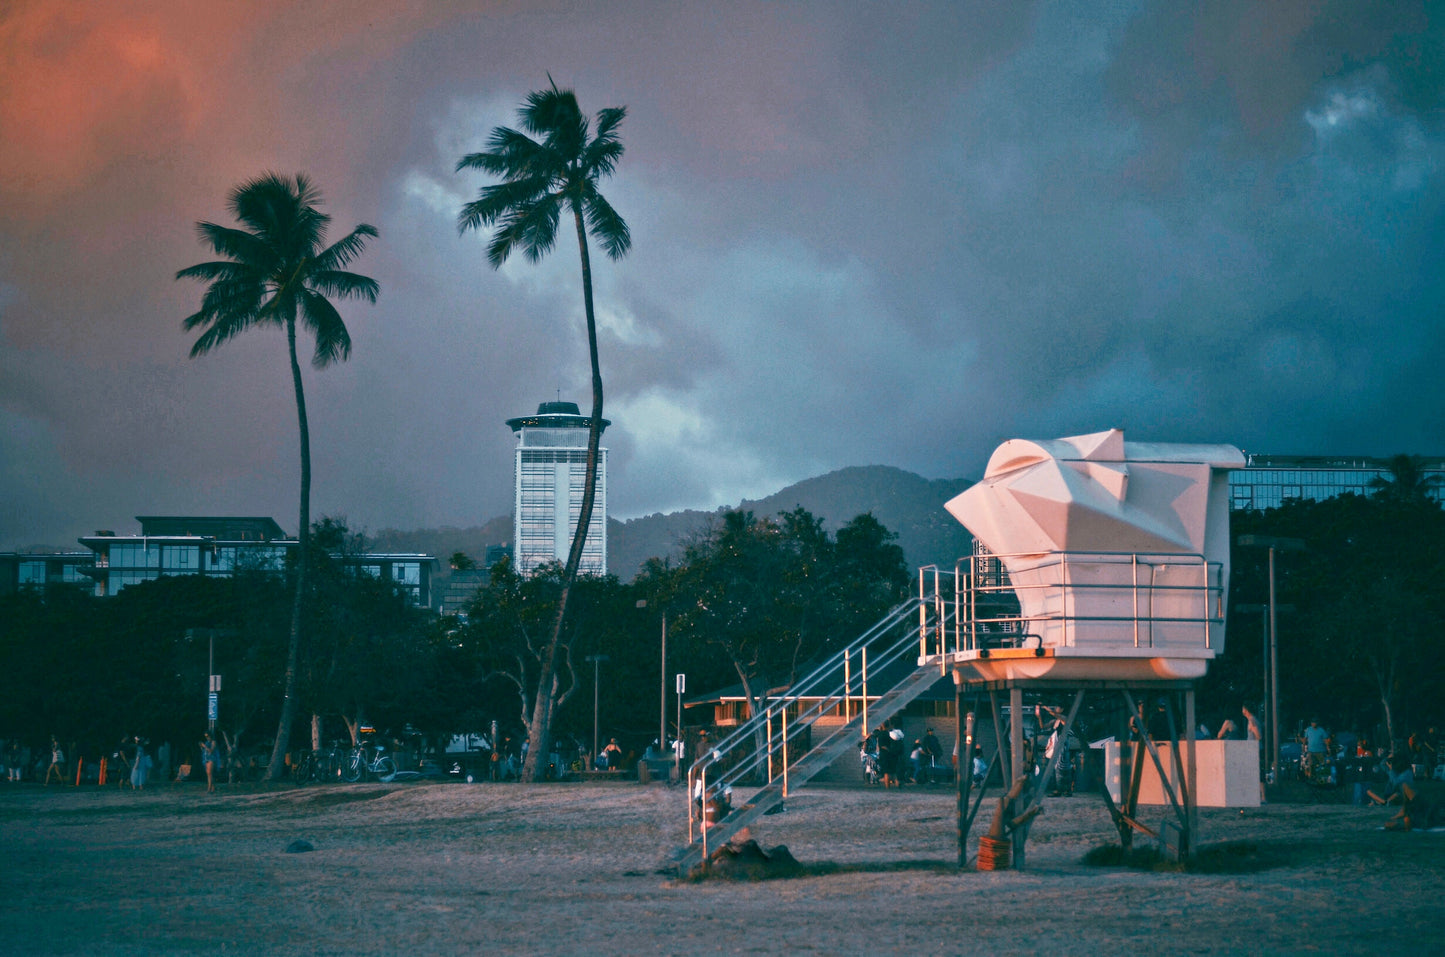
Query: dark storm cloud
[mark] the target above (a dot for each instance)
(863, 234)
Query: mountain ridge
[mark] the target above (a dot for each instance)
(909, 505)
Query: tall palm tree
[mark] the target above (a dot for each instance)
(277, 271)
(540, 178)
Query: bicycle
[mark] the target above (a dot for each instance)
(357, 765)
(319, 766)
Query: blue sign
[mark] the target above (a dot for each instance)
(213, 706)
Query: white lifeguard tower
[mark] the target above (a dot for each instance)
(1101, 567)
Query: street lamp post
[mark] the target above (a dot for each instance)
(1284, 544)
(662, 678)
(596, 685)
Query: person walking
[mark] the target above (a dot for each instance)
(209, 755)
(141, 766)
(1316, 748)
(57, 762)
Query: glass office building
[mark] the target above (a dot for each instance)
(1268, 481)
(223, 546)
(551, 472)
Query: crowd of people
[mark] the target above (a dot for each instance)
(132, 762)
(1378, 775)
(888, 758)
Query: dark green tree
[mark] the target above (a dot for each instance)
(1361, 642)
(542, 177)
(371, 658)
(774, 595)
(507, 632)
(277, 271)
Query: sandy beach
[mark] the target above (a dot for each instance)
(574, 868)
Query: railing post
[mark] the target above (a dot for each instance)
(973, 570)
(922, 615)
(785, 749)
(1134, 563)
(1064, 602)
(847, 688)
(769, 723)
(690, 804)
(1207, 590)
(863, 652)
(938, 620)
(702, 781)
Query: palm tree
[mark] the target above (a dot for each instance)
(1410, 480)
(277, 270)
(540, 178)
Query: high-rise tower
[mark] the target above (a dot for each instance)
(550, 477)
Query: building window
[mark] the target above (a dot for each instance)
(135, 556)
(406, 573)
(32, 573)
(179, 559)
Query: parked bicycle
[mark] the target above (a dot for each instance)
(314, 767)
(368, 761)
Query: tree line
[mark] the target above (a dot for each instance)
(753, 600)
(1360, 611)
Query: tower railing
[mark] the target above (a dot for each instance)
(1081, 599)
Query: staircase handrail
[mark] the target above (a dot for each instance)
(774, 707)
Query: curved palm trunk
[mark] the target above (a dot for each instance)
(539, 733)
(276, 768)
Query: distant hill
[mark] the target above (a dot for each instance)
(443, 542)
(907, 504)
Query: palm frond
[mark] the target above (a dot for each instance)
(530, 226)
(607, 122)
(237, 244)
(333, 342)
(229, 271)
(494, 201)
(600, 158)
(226, 311)
(606, 225)
(209, 339)
(346, 249)
(344, 285)
(241, 297)
(514, 155)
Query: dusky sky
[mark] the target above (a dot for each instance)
(864, 233)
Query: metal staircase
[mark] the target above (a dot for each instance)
(781, 748)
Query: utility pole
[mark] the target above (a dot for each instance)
(1273, 543)
(596, 684)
